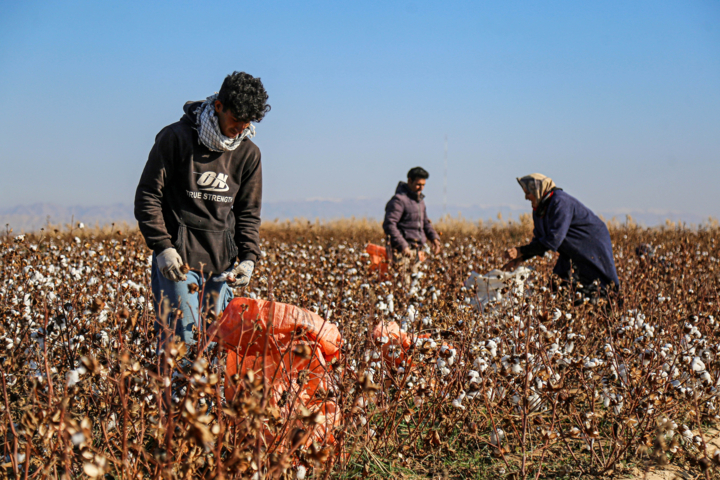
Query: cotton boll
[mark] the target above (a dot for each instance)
(505, 361)
(592, 363)
(411, 313)
(496, 437)
(77, 438)
(697, 365)
(391, 303)
(457, 403)
(534, 401)
(480, 364)
(473, 394)
(72, 377)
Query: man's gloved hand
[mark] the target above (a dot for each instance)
(170, 262)
(238, 276)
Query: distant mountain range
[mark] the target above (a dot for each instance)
(34, 217)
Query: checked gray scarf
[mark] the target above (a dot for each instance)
(208, 128)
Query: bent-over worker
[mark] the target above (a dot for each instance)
(564, 225)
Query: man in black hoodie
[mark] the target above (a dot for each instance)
(198, 204)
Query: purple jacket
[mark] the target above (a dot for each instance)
(406, 221)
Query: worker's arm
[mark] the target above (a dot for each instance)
(430, 232)
(532, 249)
(149, 193)
(246, 208)
(559, 217)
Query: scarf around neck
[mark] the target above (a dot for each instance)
(208, 128)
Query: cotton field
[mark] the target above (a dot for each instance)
(535, 382)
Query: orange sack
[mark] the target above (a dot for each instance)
(301, 351)
(394, 351)
(378, 258)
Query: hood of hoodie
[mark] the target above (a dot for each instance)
(189, 117)
(404, 189)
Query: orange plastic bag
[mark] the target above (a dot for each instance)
(395, 350)
(378, 258)
(299, 344)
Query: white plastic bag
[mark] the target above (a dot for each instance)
(496, 285)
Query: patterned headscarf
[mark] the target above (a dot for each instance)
(209, 133)
(536, 184)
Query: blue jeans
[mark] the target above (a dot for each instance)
(169, 296)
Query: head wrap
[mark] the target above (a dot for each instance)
(536, 184)
(209, 133)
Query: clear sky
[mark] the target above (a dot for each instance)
(617, 101)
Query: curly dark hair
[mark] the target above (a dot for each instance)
(245, 96)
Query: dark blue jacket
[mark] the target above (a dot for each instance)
(579, 236)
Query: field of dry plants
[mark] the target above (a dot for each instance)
(539, 387)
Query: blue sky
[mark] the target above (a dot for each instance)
(618, 101)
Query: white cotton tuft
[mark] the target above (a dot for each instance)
(697, 365)
(72, 377)
(496, 438)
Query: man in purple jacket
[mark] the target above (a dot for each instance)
(406, 221)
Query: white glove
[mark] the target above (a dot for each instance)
(169, 262)
(238, 276)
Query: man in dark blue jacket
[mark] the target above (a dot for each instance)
(564, 225)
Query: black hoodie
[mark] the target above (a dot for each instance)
(205, 204)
